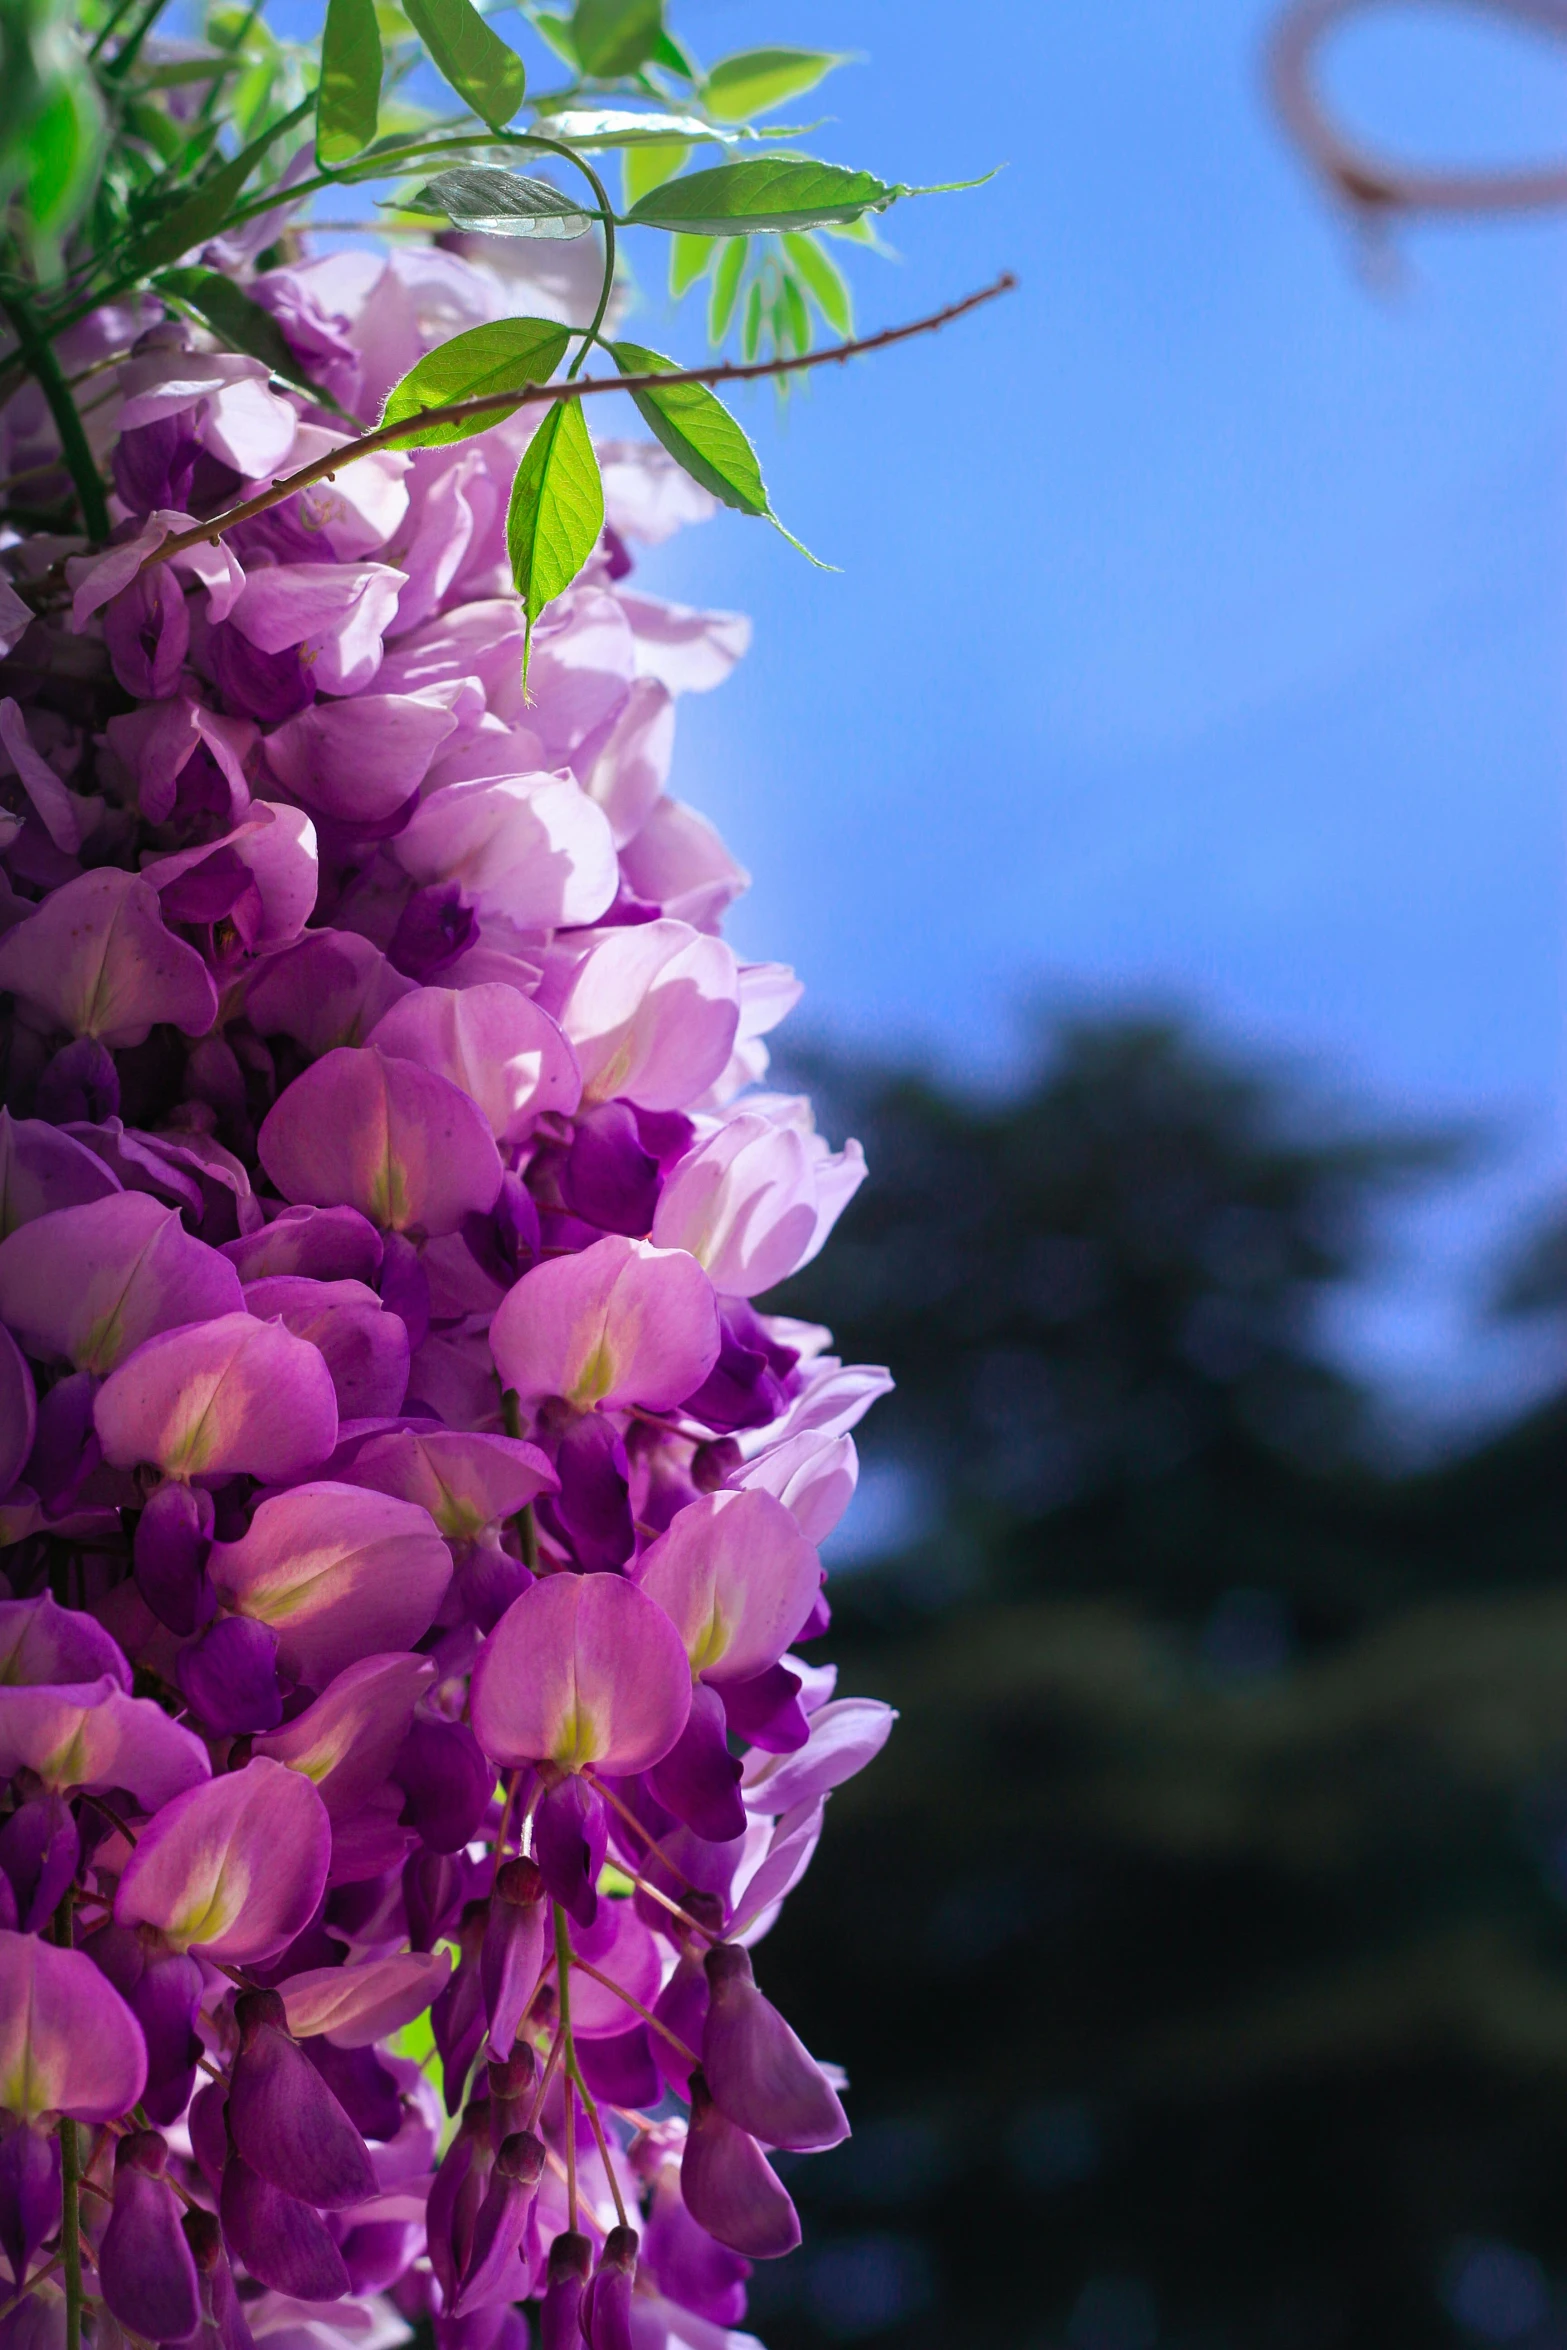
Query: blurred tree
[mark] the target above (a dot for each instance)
(1197, 1948)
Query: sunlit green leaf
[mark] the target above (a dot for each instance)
(726, 288)
(555, 32)
(689, 259)
(63, 147)
(556, 511)
(485, 74)
(824, 280)
(797, 316)
(237, 321)
(698, 431)
(615, 36)
(649, 166)
(601, 126)
(504, 353)
(494, 203)
(751, 337)
(756, 80)
(669, 53)
(853, 232)
(700, 434)
(348, 101)
(765, 192)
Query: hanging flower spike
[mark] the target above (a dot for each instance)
(383, 1195)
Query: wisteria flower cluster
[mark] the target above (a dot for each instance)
(411, 1523)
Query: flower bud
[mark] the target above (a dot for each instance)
(29, 2194)
(606, 2304)
(512, 1958)
(490, 2271)
(172, 1539)
(570, 1838)
(283, 2242)
(457, 2016)
(145, 2268)
(571, 2257)
(730, 2187)
(759, 2073)
(285, 2121)
(39, 1852)
(512, 2086)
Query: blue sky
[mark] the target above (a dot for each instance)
(1200, 632)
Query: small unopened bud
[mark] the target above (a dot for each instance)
(253, 2011)
(521, 2158)
(520, 1882)
(571, 2259)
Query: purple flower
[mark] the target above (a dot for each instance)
(212, 1398)
(232, 1869)
(68, 2042)
(97, 960)
(362, 1129)
(337, 1572)
(374, 1275)
(620, 1323)
(582, 1670)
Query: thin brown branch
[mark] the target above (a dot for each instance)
(1375, 183)
(392, 436)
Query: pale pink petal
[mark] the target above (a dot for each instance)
(338, 1572)
(582, 1670)
(232, 1869)
(68, 2042)
(504, 1052)
(737, 1579)
(217, 1397)
(363, 1129)
(354, 2006)
(620, 1323)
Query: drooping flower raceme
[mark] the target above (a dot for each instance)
(411, 1518)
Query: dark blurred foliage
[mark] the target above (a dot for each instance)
(1197, 1948)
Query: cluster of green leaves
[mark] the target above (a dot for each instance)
(125, 157)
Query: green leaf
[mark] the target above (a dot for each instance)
(204, 214)
(582, 126)
(237, 321)
(160, 131)
(755, 80)
(64, 143)
(698, 431)
(726, 288)
(555, 33)
(348, 101)
(495, 203)
(689, 259)
(824, 281)
(668, 53)
(615, 36)
(490, 358)
(854, 232)
(700, 434)
(798, 319)
(765, 192)
(556, 511)
(649, 166)
(485, 74)
(751, 337)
